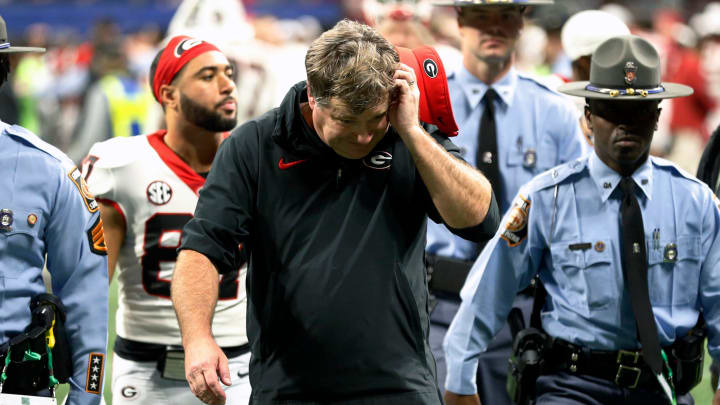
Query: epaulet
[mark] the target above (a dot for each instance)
(673, 168)
(557, 174)
(32, 139)
(118, 152)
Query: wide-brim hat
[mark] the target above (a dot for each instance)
(475, 3)
(5, 46)
(626, 68)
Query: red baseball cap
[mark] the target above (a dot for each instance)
(435, 107)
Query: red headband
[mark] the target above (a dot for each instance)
(178, 52)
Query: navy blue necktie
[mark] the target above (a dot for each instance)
(635, 272)
(487, 151)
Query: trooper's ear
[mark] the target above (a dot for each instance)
(588, 114)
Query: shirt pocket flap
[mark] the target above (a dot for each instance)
(24, 221)
(600, 253)
(685, 248)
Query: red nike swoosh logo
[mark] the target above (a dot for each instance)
(282, 165)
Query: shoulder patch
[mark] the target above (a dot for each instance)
(516, 221)
(96, 363)
(77, 179)
(96, 238)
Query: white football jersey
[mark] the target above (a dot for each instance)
(156, 192)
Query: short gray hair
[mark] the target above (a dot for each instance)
(351, 62)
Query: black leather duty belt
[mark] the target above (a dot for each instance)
(625, 368)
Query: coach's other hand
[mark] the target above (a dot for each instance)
(204, 363)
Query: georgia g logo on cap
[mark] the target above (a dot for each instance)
(430, 68)
(186, 45)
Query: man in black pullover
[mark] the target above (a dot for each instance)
(330, 194)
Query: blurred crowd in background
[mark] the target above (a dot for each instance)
(92, 83)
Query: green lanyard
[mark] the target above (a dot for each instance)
(30, 355)
(667, 383)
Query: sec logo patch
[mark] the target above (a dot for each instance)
(159, 192)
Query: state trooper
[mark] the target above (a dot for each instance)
(512, 128)
(580, 36)
(626, 245)
(46, 211)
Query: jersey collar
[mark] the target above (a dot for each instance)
(606, 179)
(173, 161)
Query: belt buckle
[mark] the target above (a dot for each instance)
(619, 375)
(634, 355)
(631, 357)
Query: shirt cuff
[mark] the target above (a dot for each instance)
(461, 376)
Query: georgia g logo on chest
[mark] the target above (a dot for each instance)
(379, 160)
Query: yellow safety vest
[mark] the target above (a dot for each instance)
(128, 109)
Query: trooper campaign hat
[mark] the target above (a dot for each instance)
(625, 68)
(476, 3)
(6, 47)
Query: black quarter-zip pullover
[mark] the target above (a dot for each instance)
(337, 287)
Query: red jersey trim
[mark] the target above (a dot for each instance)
(173, 161)
(114, 205)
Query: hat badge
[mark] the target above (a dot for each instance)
(630, 72)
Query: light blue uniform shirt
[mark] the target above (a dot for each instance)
(38, 185)
(580, 265)
(532, 122)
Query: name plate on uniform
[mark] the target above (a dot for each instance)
(10, 399)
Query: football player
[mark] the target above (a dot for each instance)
(148, 187)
